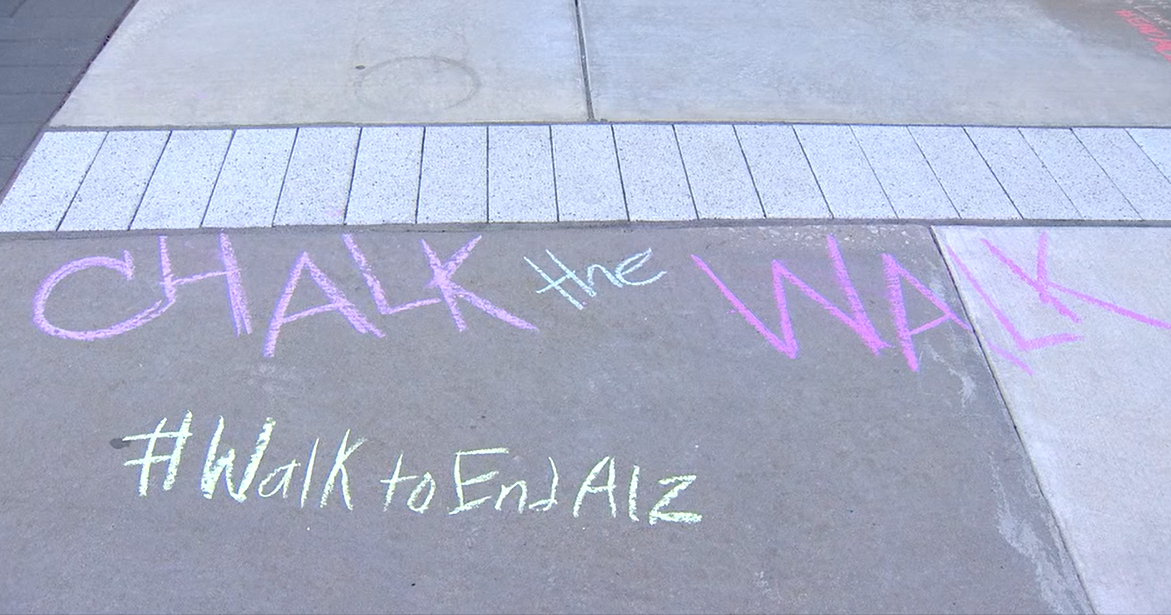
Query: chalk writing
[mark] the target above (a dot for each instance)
(857, 320)
(1159, 38)
(450, 292)
(471, 492)
(1045, 288)
(618, 277)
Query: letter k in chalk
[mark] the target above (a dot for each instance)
(441, 280)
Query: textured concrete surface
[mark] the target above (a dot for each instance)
(1005, 62)
(838, 480)
(220, 62)
(591, 172)
(45, 46)
(1076, 323)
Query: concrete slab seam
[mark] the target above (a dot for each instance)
(751, 177)
(816, 179)
(993, 173)
(1050, 172)
(683, 163)
(1106, 173)
(79, 184)
(1148, 155)
(553, 165)
(877, 179)
(419, 183)
(618, 162)
(216, 183)
(285, 176)
(149, 179)
(353, 171)
(986, 355)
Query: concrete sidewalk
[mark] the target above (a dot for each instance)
(953, 403)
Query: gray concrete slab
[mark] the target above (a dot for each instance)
(520, 174)
(27, 108)
(180, 189)
(1081, 178)
(906, 179)
(1037, 62)
(836, 481)
(385, 185)
(585, 166)
(717, 172)
(1022, 175)
(317, 184)
(39, 198)
(249, 184)
(217, 62)
(1144, 186)
(843, 173)
(1076, 323)
(973, 189)
(116, 181)
(453, 184)
(653, 178)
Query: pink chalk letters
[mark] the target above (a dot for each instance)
(450, 293)
(858, 320)
(1045, 288)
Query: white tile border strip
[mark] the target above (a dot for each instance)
(542, 173)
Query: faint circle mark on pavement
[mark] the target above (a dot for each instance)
(417, 84)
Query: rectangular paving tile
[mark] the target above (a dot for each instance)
(1156, 144)
(1077, 326)
(453, 186)
(585, 166)
(969, 183)
(385, 186)
(1144, 186)
(907, 180)
(249, 183)
(317, 183)
(40, 195)
(180, 190)
(520, 174)
(768, 453)
(717, 172)
(1033, 191)
(781, 172)
(652, 173)
(845, 177)
(114, 186)
(1079, 175)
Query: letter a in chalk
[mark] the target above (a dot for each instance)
(337, 303)
(895, 274)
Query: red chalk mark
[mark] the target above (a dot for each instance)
(1160, 38)
(858, 321)
(337, 303)
(895, 274)
(450, 290)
